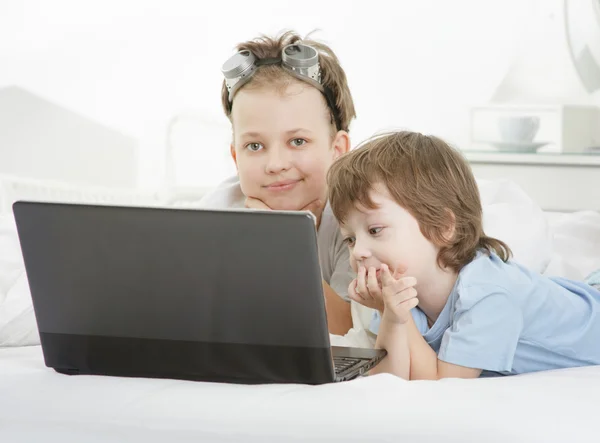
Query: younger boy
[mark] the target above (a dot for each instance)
(410, 212)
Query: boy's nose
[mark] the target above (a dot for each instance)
(277, 161)
(360, 253)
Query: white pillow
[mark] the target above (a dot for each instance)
(512, 216)
(14, 188)
(576, 251)
(17, 320)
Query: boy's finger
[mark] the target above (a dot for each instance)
(372, 283)
(404, 299)
(353, 294)
(407, 294)
(361, 283)
(356, 297)
(411, 303)
(254, 203)
(404, 283)
(386, 276)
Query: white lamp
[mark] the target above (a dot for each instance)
(582, 24)
(547, 99)
(558, 58)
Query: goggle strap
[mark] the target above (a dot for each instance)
(267, 61)
(328, 93)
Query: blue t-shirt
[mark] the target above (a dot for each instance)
(503, 318)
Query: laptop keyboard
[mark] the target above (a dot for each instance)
(343, 363)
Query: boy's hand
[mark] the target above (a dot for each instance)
(365, 289)
(254, 203)
(399, 296)
(316, 207)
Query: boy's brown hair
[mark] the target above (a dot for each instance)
(332, 74)
(426, 177)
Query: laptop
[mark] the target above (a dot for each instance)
(209, 295)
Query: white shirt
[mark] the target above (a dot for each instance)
(333, 253)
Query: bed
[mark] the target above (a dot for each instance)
(38, 404)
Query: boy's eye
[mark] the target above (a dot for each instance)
(375, 231)
(297, 142)
(254, 147)
(349, 241)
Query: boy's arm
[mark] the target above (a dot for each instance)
(337, 301)
(393, 337)
(424, 364)
(484, 336)
(410, 357)
(339, 318)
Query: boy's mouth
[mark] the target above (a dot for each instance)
(282, 185)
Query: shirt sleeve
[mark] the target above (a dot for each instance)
(483, 335)
(418, 316)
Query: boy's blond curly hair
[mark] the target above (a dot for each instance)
(429, 179)
(275, 76)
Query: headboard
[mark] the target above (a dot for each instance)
(42, 140)
(50, 153)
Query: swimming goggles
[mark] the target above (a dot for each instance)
(301, 61)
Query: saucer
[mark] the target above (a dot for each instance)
(518, 146)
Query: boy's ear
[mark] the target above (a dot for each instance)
(341, 144)
(233, 154)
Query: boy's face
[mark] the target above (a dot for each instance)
(283, 145)
(388, 234)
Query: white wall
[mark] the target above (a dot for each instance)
(134, 65)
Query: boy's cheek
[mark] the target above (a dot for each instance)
(315, 186)
(249, 183)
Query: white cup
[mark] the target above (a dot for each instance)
(518, 129)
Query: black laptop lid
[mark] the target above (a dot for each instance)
(202, 287)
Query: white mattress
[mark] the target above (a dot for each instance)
(37, 404)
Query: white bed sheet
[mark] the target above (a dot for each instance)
(37, 404)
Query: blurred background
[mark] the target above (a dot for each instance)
(95, 79)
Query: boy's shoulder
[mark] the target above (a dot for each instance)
(485, 267)
(488, 274)
(329, 224)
